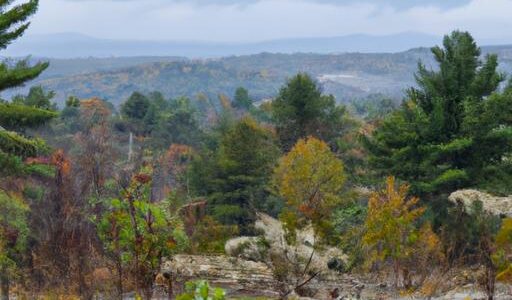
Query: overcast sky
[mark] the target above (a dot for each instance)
(256, 20)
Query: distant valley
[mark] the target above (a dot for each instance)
(348, 76)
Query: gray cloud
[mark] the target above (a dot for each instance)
(398, 4)
(255, 20)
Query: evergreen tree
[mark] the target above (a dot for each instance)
(13, 23)
(37, 97)
(489, 124)
(136, 106)
(150, 120)
(461, 78)
(177, 124)
(242, 99)
(443, 137)
(135, 109)
(13, 238)
(15, 147)
(238, 177)
(301, 110)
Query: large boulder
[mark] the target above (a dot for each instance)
(500, 206)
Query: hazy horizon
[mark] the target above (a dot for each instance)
(266, 20)
(80, 45)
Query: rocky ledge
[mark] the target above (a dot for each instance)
(500, 206)
(237, 276)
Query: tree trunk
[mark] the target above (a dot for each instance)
(149, 293)
(169, 289)
(4, 282)
(396, 270)
(130, 147)
(490, 281)
(84, 289)
(119, 283)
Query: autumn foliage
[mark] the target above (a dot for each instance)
(309, 178)
(392, 237)
(502, 255)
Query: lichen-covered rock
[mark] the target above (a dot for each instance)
(275, 236)
(237, 276)
(242, 278)
(267, 265)
(249, 248)
(492, 204)
(473, 291)
(272, 243)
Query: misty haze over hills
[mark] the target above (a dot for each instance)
(73, 45)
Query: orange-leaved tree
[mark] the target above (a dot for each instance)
(503, 252)
(310, 179)
(392, 235)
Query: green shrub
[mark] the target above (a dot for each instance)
(210, 236)
(201, 290)
(41, 170)
(33, 192)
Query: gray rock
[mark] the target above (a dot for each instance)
(273, 242)
(237, 276)
(249, 248)
(492, 204)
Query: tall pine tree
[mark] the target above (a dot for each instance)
(15, 118)
(14, 147)
(13, 23)
(236, 178)
(301, 110)
(441, 139)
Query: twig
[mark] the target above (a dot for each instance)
(300, 285)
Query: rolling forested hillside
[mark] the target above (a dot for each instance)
(347, 76)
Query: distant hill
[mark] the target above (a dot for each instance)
(73, 45)
(348, 76)
(75, 66)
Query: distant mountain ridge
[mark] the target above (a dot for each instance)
(73, 45)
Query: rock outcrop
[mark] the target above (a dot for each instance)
(243, 278)
(252, 266)
(301, 267)
(501, 206)
(249, 248)
(250, 270)
(272, 242)
(237, 276)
